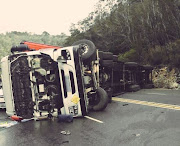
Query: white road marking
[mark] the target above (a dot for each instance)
(157, 93)
(154, 104)
(96, 120)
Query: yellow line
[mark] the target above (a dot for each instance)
(154, 104)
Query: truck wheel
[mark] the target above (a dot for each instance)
(110, 96)
(102, 98)
(20, 48)
(109, 93)
(88, 49)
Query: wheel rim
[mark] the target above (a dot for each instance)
(84, 49)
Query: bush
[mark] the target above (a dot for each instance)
(128, 56)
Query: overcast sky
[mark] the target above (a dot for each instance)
(53, 16)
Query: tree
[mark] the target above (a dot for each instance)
(142, 25)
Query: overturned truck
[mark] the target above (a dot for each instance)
(42, 80)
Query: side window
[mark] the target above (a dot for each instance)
(66, 54)
(72, 82)
(64, 83)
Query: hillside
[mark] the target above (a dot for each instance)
(145, 31)
(14, 38)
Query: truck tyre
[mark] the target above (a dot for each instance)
(88, 50)
(20, 48)
(110, 97)
(102, 99)
(109, 93)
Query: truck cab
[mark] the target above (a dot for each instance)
(49, 81)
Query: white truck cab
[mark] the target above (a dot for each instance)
(49, 82)
(40, 82)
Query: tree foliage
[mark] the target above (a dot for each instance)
(148, 27)
(14, 38)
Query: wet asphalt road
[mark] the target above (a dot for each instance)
(124, 124)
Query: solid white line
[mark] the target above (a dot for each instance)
(157, 93)
(96, 120)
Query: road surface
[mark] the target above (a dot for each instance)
(149, 117)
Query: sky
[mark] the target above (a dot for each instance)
(36, 16)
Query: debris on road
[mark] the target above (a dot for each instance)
(26, 120)
(65, 132)
(16, 118)
(125, 104)
(40, 118)
(65, 142)
(137, 135)
(8, 124)
(20, 119)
